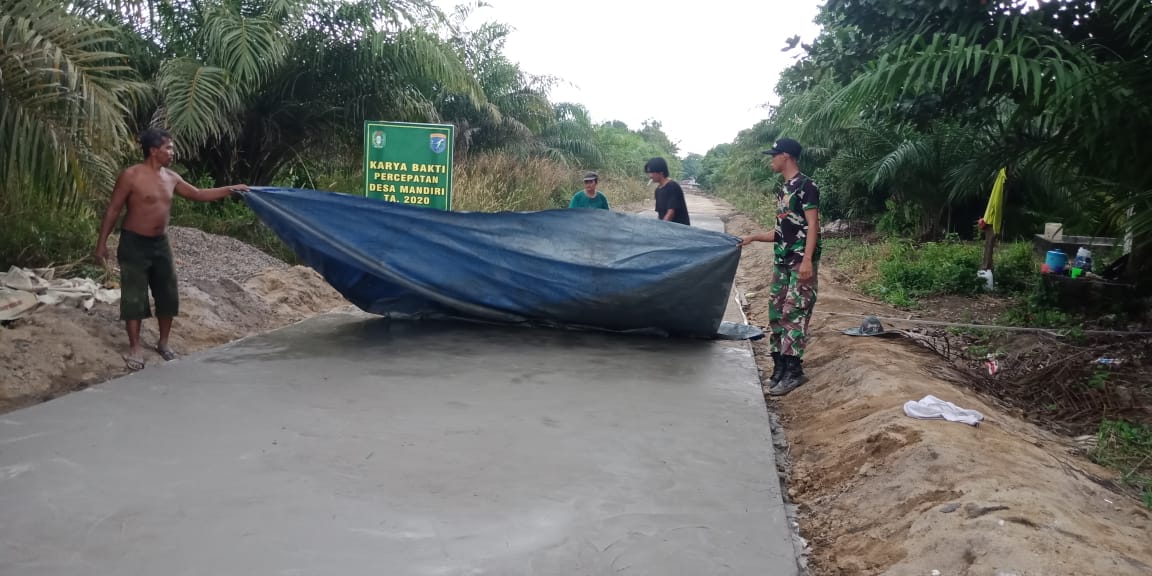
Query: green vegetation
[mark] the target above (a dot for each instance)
(909, 108)
(900, 272)
(1127, 447)
(502, 182)
(274, 92)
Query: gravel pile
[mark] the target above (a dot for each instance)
(203, 256)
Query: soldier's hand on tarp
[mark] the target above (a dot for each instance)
(239, 190)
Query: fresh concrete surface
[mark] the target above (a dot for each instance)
(348, 445)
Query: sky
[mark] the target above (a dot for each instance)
(705, 70)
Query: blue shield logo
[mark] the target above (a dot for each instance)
(438, 142)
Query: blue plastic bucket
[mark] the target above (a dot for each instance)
(1056, 260)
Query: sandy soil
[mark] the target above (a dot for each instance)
(882, 493)
(59, 349)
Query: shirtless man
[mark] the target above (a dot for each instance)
(144, 255)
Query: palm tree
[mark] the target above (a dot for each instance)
(1079, 102)
(515, 114)
(570, 136)
(251, 87)
(64, 97)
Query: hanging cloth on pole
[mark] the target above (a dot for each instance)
(992, 222)
(994, 213)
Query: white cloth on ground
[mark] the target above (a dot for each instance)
(52, 291)
(933, 408)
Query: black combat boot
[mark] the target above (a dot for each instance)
(792, 378)
(777, 367)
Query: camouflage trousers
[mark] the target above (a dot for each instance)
(790, 309)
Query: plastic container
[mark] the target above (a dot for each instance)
(1056, 261)
(986, 275)
(1083, 259)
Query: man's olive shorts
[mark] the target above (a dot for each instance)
(146, 262)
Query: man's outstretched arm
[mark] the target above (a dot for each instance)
(186, 190)
(762, 237)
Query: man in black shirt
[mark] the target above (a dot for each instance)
(670, 204)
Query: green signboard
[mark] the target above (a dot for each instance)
(409, 163)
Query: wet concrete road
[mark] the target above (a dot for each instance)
(348, 445)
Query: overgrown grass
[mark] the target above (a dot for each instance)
(496, 182)
(36, 232)
(1035, 307)
(1127, 448)
(900, 272)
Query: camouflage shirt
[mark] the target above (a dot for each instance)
(797, 195)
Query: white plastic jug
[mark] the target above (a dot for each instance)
(987, 276)
(1083, 259)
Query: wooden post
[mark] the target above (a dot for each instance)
(989, 245)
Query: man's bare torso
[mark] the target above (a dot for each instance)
(149, 199)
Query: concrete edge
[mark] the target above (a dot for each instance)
(781, 450)
(779, 442)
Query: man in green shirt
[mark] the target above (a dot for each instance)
(589, 197)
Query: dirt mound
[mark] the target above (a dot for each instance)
(228, 290)
(882, 493)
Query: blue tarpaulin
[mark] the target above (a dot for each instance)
(569, 268)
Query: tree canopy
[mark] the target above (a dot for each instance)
(257, 91)
(909, 108)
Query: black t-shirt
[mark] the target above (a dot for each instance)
(671, 196)
(792, 200)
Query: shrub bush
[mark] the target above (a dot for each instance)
(900, 271)
(1016, 268)
(40, 233)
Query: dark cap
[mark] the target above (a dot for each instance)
(786, 146)
(591, 176)
(871, 326)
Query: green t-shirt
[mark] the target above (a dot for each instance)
(581, 200)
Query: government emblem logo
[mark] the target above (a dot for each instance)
(438, 143)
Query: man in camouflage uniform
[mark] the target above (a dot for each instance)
(794, 282)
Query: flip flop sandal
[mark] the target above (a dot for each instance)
(166, 353)
(133, 364)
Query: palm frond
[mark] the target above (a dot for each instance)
(63, 102)
(249, 48)
(1041, 65)
(200, 103)
(909, 157)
